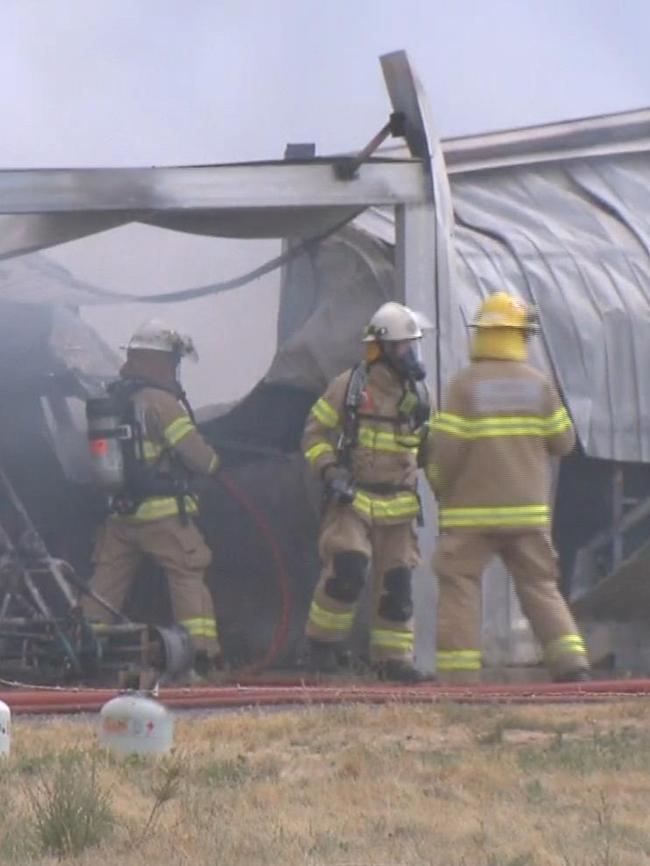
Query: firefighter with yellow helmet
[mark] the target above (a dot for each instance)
(500, 424)
(365, 438)
(153, 503)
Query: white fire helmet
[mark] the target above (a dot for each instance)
(158, 336)
(393, 322)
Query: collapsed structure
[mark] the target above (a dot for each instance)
(555, 214)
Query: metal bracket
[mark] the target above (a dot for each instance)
(347, 167)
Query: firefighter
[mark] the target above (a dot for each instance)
(500, 424)
(153, 514)
(364, 438)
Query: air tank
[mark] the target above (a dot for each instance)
(105, 430)
(5, 729)
(135, 725)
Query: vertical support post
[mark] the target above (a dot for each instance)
(415, 280)
(415, 272)
(618, 492)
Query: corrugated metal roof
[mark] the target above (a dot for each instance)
(560, 216)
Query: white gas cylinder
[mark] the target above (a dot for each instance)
(5, 729)
(135, 725)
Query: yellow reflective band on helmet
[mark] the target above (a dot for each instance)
(325, 413)
(200, 626)
(329, 620)
(384, 638)
(503, 425)
(312, 454)
(162, 506)
(151, 450)
(178, 430)
(510, 515)
(404, 505)
(458, 660)
(384, 440)
(568, 644)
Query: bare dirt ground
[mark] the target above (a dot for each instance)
(352, 786)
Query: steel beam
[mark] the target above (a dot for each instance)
(223, 187)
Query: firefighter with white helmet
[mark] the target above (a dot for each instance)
(153, 501)
(500, 423)
(365, 438)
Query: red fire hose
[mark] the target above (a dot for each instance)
(279, 638)
(56, 701)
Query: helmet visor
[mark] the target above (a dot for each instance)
(405, 356)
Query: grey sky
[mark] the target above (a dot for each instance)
(165, 81)
(143, 82)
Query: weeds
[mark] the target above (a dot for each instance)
(70, 810)
(397, 785)
(165, 787)
(614, 751)
(228, 772)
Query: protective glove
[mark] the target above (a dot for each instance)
(338, 481)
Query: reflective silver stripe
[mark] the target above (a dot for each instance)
(391, 639)
(507, 515)
(312, 454)
(200, 626)
(404, 505)
(384, 440)
(325, 413)
(458, 660)
(502, 425)
(568, 644)
(178, 430)
(162, 506)
(329, 620)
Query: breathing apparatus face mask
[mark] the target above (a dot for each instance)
(405, 357)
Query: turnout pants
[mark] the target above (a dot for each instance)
(348, 546)
(529, 556)
(183, 555)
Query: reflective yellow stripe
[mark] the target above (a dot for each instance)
(162, 506)
(384, 440)
(151, 450)
(458, 660)
(511, 515)
(214, 465)
(514, 425)
(178, 430)
(330, 620)
(568, 644)
(200, 626)
(312, 454)
(558, 422)
(404, 505)
(325, 413)
(383, 638)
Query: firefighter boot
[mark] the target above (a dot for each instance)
(400, 671)
(324, 657)
(208, 669)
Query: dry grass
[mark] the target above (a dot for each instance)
(446, 786)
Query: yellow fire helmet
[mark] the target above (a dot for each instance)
(503, 325)
(502, 310)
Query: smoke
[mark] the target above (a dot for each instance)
(169, 82)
